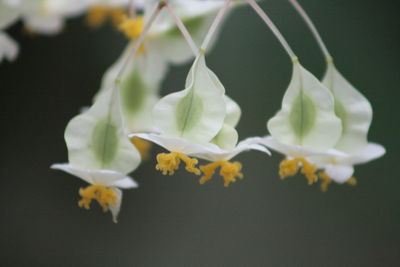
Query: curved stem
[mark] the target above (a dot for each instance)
(312, 27)
(132, 9)
(215, 25)
(139, 41)
(273, 28)
(183, 30)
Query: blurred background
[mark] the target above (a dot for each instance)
(174, 221)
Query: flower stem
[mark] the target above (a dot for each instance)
(139, 41)
(183, 30)
(273, 28)
(132, 9)
(312, 28)
(215, 25)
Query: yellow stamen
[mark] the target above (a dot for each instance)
(352, 181)
(230, 171)
(97, 15)
(168, 163)
(289, 167)
(143, 146)
(117, 16)
(132, 28)
(326, 181)
(104, 195)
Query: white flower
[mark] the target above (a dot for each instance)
(100, 152)
(199, 122)
(306, 124)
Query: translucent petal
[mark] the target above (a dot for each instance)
(233, 112)
(115, 209)
(210, 152)
(370, 152)
(98, 177)
(97, 139)
(307, 116)
(226, 138)
(196, 113)
(352, 108)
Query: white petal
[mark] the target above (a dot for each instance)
(226, 138)
(8, 47)
(233, 112)
(370, 152)
(44, 25)
(339, 173)
(126, 183)
(292, 151)
(208, 152)
(307, 116)
(98, 139)
(96, 177)
(352, 108)
(115, 209)
(196, 113)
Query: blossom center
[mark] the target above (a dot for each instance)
(168, 163)
(290, 167)
(97, 15)
(230, 171)
(143, 146)
(132, 28)
(104, 195)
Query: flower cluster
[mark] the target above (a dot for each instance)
(321, 128)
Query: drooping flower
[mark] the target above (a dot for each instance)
(100, 153)
(355, 113)
(306, 125)
(199, 122)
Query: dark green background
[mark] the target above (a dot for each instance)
(173, 221)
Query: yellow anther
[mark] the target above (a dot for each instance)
(352, 181)
(230, 171)
(289, 167)
(143, 146)
(104, 195)
(97, 15)
(168, 163)
(326, 181)
(132, 28)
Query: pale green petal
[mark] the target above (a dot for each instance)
(233, 112)
(226, 138)
(115, 209)
(97, 139)
(139, 87)
(307, 116)
(196, 113)
(352, 108)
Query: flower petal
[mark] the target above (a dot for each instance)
(8, 14)
(370, 152)
(97, 139)
(339, 173)
(97, 177)
(307, 116)
(352, 108)
(115, 209)
(196, 113)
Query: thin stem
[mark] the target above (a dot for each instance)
(273, 28)
(183, 30)
(215, 25)
(139, 41)
(132, 9)
(312, 27)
